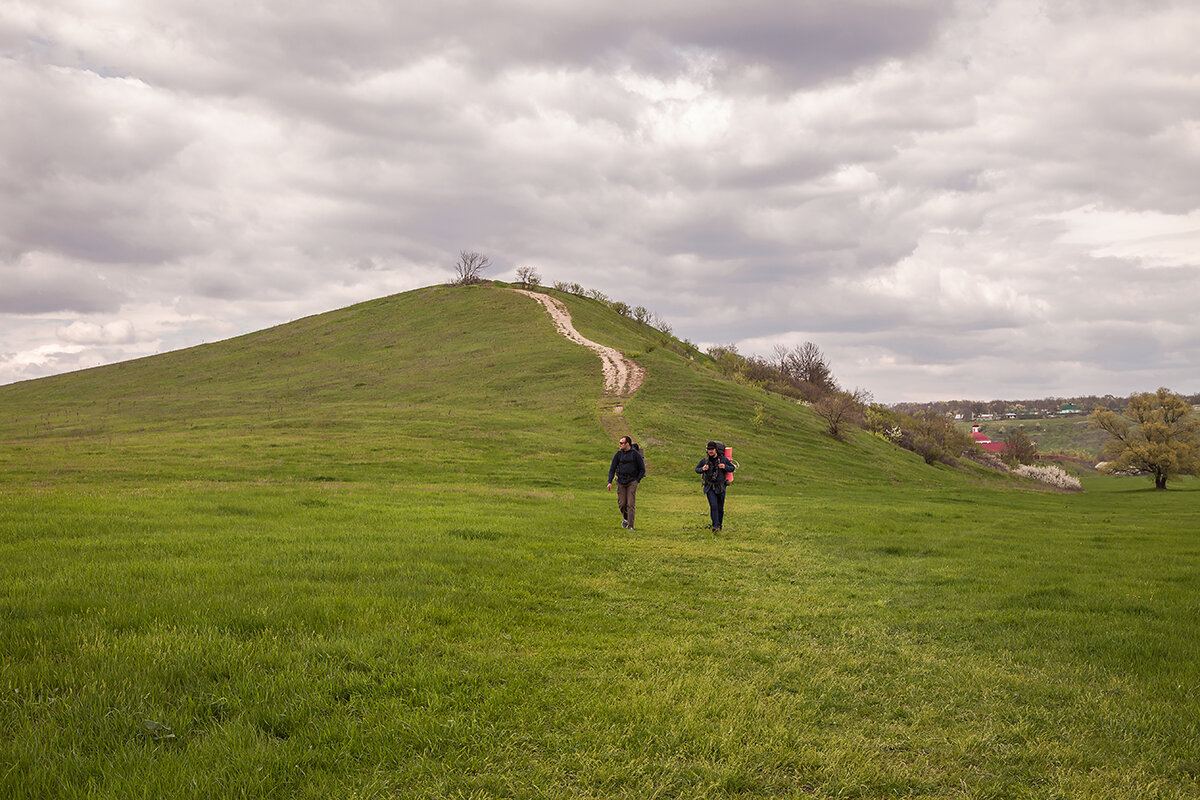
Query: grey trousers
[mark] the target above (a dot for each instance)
(626, 499)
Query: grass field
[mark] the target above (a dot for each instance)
(369, 554)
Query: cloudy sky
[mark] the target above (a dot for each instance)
(952, 198)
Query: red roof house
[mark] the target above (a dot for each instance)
(983, 441)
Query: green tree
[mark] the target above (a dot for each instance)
(1159, 434)
(935, 438)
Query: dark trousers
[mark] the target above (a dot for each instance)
(716, 507)
(626, 499)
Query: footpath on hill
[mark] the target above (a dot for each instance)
(622, 376)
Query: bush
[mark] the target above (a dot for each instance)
(840, 409)
(986, 459)
(1019, 449)
(1054, 476)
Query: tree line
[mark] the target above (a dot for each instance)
(971, 409)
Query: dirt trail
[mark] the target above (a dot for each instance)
(622, 377)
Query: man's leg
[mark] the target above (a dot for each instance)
(630, 502)
(713, 509)
(623, 503)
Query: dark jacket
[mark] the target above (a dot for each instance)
(714, 476)
(628, 466)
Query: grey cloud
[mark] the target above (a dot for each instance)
(234, 48)
(222, 286)
(902, 181)
(82, 124)
(85, 178)
(42, 289)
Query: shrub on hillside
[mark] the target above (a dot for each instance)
(884, 423)
(930, 435)
(841, 409)
(756, 371)
(1019, 448)
(935, 438)
(986, 459)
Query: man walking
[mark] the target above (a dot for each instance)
(629, 468)
(712, 470)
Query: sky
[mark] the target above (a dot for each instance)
(954, 199)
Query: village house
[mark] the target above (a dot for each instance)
(985, 442)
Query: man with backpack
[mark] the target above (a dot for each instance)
(713, 470)
(629, 468)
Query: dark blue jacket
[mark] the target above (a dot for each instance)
(714, 476)
(628, 466)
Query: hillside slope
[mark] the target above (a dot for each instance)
(434, 386)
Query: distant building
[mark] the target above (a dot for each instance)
(985, 442)
(1070, 408)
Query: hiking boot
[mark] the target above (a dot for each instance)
(624, 523)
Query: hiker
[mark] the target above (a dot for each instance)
(713, 469)
(629, 468)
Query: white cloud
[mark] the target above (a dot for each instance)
(117, 332)
(1149, 238)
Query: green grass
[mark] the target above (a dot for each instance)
(370, 554)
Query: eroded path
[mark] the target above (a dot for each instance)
(622, 376)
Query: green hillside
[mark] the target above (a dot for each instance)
(474, 380)
(370, 554)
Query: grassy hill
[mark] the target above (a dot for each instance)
(472, 380)
(369, 554)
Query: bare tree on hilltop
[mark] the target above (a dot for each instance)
(469, 269)
(529, 277)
